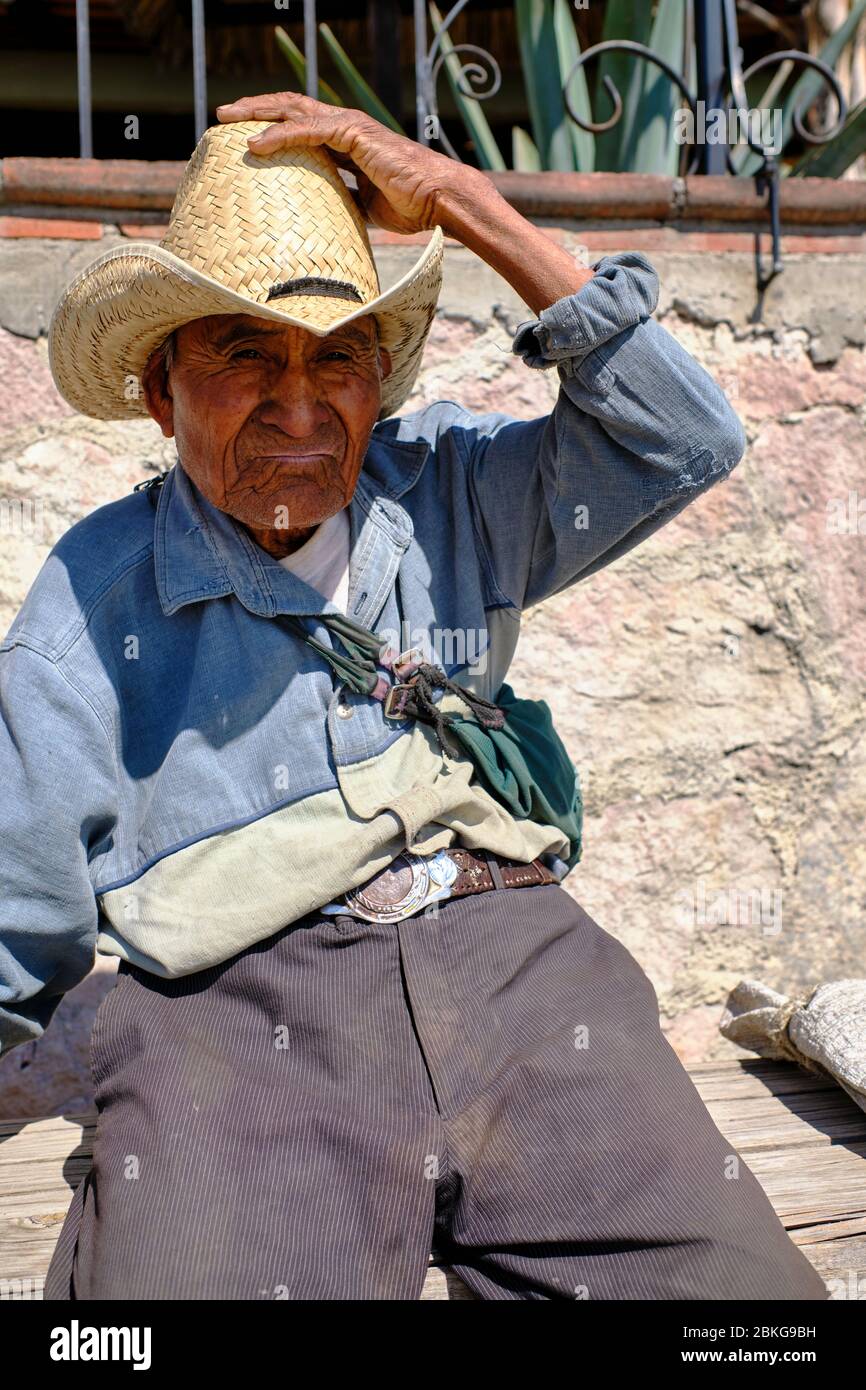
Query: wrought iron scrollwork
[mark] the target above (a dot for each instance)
(792, 55)
(473, 72)
(639, 50)
(619, 46)
(738, 80)
(731, 83)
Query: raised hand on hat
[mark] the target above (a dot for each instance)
(404, 186)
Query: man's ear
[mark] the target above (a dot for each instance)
(157, 394)
(387, 364)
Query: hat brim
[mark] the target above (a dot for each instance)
(114, 314)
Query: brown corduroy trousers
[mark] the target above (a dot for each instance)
(306, 1119)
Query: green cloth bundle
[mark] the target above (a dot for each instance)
(525, 766)
(518, 755)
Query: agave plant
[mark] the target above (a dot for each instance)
(642, 140)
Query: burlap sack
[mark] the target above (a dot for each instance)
(823, 1030)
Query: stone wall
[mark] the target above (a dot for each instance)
(709, 685)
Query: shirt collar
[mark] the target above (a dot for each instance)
(201, 552)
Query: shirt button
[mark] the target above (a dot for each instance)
(345, 711)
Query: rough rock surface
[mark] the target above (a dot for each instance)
(709, 685)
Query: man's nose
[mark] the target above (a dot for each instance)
(293, 403)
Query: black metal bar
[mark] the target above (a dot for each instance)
(710, 52)
(421, 66)
(199, 69)
(311, 52)
(767, 181)
(85, 101)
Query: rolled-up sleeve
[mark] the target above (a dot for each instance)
(639, 430)
(58, 801)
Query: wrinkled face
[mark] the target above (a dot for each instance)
(271, 421)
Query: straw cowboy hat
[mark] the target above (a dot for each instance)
(245, 234)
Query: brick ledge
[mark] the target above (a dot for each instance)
(685, 240)
(148, 186)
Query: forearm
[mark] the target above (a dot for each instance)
(470, 209)
(638, 431)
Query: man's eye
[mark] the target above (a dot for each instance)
(245, 352)
(336, 353)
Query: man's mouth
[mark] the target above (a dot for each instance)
(293, 458)
(278, 463)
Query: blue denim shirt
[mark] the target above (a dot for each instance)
(182, 776)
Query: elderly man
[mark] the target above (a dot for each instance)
(356, 1013)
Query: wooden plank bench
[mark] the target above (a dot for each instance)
(802, 1136)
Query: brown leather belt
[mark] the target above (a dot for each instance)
(399, 890)
(483, 870)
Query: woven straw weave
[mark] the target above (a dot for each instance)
(239, 224)
(250, 224)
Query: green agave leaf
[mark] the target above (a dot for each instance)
(524, 154)
(361, 92)
(290, 50)
(539, 56)
(807, 87)
(623, 19)
(474, 119)
(832, 159)
(651, 148)
(568, 51)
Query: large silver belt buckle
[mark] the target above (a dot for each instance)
(396, 892)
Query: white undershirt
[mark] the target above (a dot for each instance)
(323, 560)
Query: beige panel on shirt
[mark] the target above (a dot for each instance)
(208, 901)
